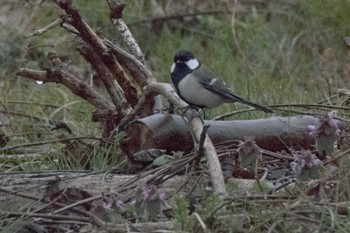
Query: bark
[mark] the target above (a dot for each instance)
(170, 132)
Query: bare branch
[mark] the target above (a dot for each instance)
(140, 73)
(147, 95)
(45, 29)
(116, 12)
(138, 70)
(105, 75)
(90, 37)
(74, 84)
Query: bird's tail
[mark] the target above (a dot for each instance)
(256, 106)
(259, 107)
(223, 91)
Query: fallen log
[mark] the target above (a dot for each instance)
(170, 132)
(24, 189)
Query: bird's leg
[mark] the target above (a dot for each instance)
(199, 146)
(171, 109)
(182, 110)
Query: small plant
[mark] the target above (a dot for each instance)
(249, 154)
(183, 221)
(147, 204)
(326, 132)
(306, 165)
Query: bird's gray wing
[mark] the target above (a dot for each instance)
(214, 84)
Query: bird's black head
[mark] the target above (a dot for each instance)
(184, 64)
(183, 56)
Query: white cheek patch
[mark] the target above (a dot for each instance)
(172, 68)
(192, 64)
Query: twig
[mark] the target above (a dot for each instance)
(27, 156)
(199, 147)
(180, 16)
(196, 126)
(81, 202)
(70, 28)
(202, 139)
(346, 152)
(46, 142)
(46, 104)
(24, 115)
(276, 106)
(234, 34)
(317, 106)
(92, 218)
(50, 216)
(45, 29)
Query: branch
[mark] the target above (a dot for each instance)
(45, 29)
(90, 37)
(116, 12)
(195, 124)
(105, 75)
(139, 71)
(74, 84)
(137, 110)
(273, 134)
(50, 216)
(142, 75)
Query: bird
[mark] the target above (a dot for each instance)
(198, 86)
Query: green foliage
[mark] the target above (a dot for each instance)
(231, 186)
(183, 221)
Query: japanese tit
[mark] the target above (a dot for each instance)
(200, 87)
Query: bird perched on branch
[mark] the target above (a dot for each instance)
(200, 87)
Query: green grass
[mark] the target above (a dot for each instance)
(275, 61)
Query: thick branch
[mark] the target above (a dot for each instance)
(116, 12)
(105, 75)
(89, 36)
(142, 75)
(162, 131)
(139, 71)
